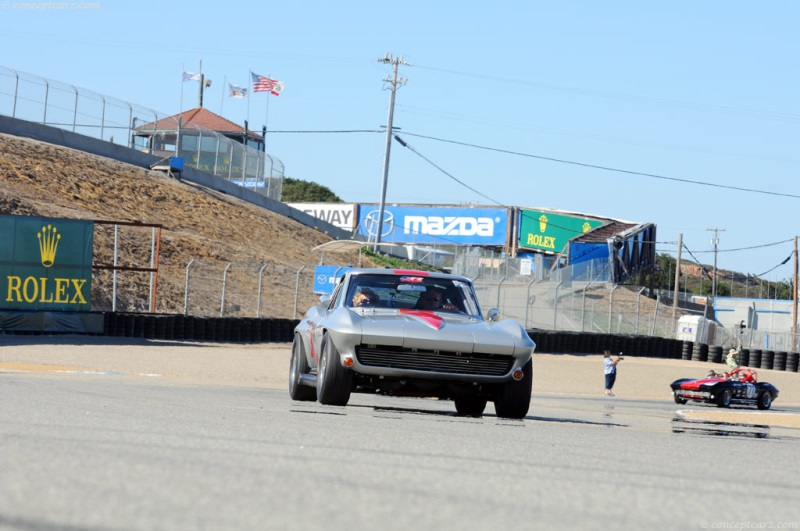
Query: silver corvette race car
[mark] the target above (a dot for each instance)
(411, 333)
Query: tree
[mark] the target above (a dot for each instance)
(300, 191)
(664, 272)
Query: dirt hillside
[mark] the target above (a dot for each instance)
(211, 228)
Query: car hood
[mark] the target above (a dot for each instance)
(694, 385)
(425, 330)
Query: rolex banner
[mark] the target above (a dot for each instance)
(45, 263)
(549, 231)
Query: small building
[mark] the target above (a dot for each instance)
(213, 144)
(161, 137)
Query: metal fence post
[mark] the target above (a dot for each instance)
(655, 316)
(611, 306)
(102, 117)
(297, 290)
(583, 304)
(230, 163)
(260, 278)
(75, 110)
(114, 276)
(16, 92)
(152, 266)
(199, 141)
(46, 96)
(555, 304)
(224, 284)
(528, 302)
(130, 122)
(638, 305)
(186, 289)
(216, 158)
(499, 287)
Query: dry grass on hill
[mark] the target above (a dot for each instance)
(40, 179)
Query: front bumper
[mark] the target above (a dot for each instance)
(688, 394)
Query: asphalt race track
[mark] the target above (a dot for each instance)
(119, 452)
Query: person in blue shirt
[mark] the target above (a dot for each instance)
(610, 370)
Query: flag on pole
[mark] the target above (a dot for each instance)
(265, 84)
(235, 91)
(191, 76)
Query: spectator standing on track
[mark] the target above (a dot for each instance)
(610, 370)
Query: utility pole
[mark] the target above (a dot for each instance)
(677, 278)
(395, 81)
(715, 241)
(794, 299)
(200, 96)
(204, 83)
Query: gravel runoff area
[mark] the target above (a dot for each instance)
(267, 365)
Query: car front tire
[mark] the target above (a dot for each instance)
(334, 382)
(514, 398)
(679, 400)
(298, 366)
(764, 400)
(470, 406)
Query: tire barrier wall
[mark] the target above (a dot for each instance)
(187, 327)
(559, 342)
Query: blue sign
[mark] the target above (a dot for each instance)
(440, 225)
(325, 278)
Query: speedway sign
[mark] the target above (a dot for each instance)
(338, 214)
(435, 225)
(45, 263)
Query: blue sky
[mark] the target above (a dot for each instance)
(614, 108)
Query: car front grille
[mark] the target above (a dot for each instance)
(686, 393)
(434, 361)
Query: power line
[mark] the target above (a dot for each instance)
(606, 168)
(405, 145)
(563, 161)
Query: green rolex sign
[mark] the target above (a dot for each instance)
(551, 232)
(45, 263)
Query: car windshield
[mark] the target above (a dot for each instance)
(417, 292)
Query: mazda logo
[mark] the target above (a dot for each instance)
(371, 223)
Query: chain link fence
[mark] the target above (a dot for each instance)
(246, 289)
(579, 298)
(64, 106)
(209, 289)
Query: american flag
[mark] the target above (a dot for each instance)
(265, 84)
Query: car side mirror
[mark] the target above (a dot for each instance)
(324, 299)
(492, 315)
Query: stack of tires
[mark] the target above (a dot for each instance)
(792, 359)
(700, 352)
(779, 361)
(755, 359)
(744, 357)
(715, 354)
(687, 349)
(767, 359)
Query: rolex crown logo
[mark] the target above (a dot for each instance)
(48, 243)
(586, 227)
(542, 223)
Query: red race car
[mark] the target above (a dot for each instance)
(740, 386)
